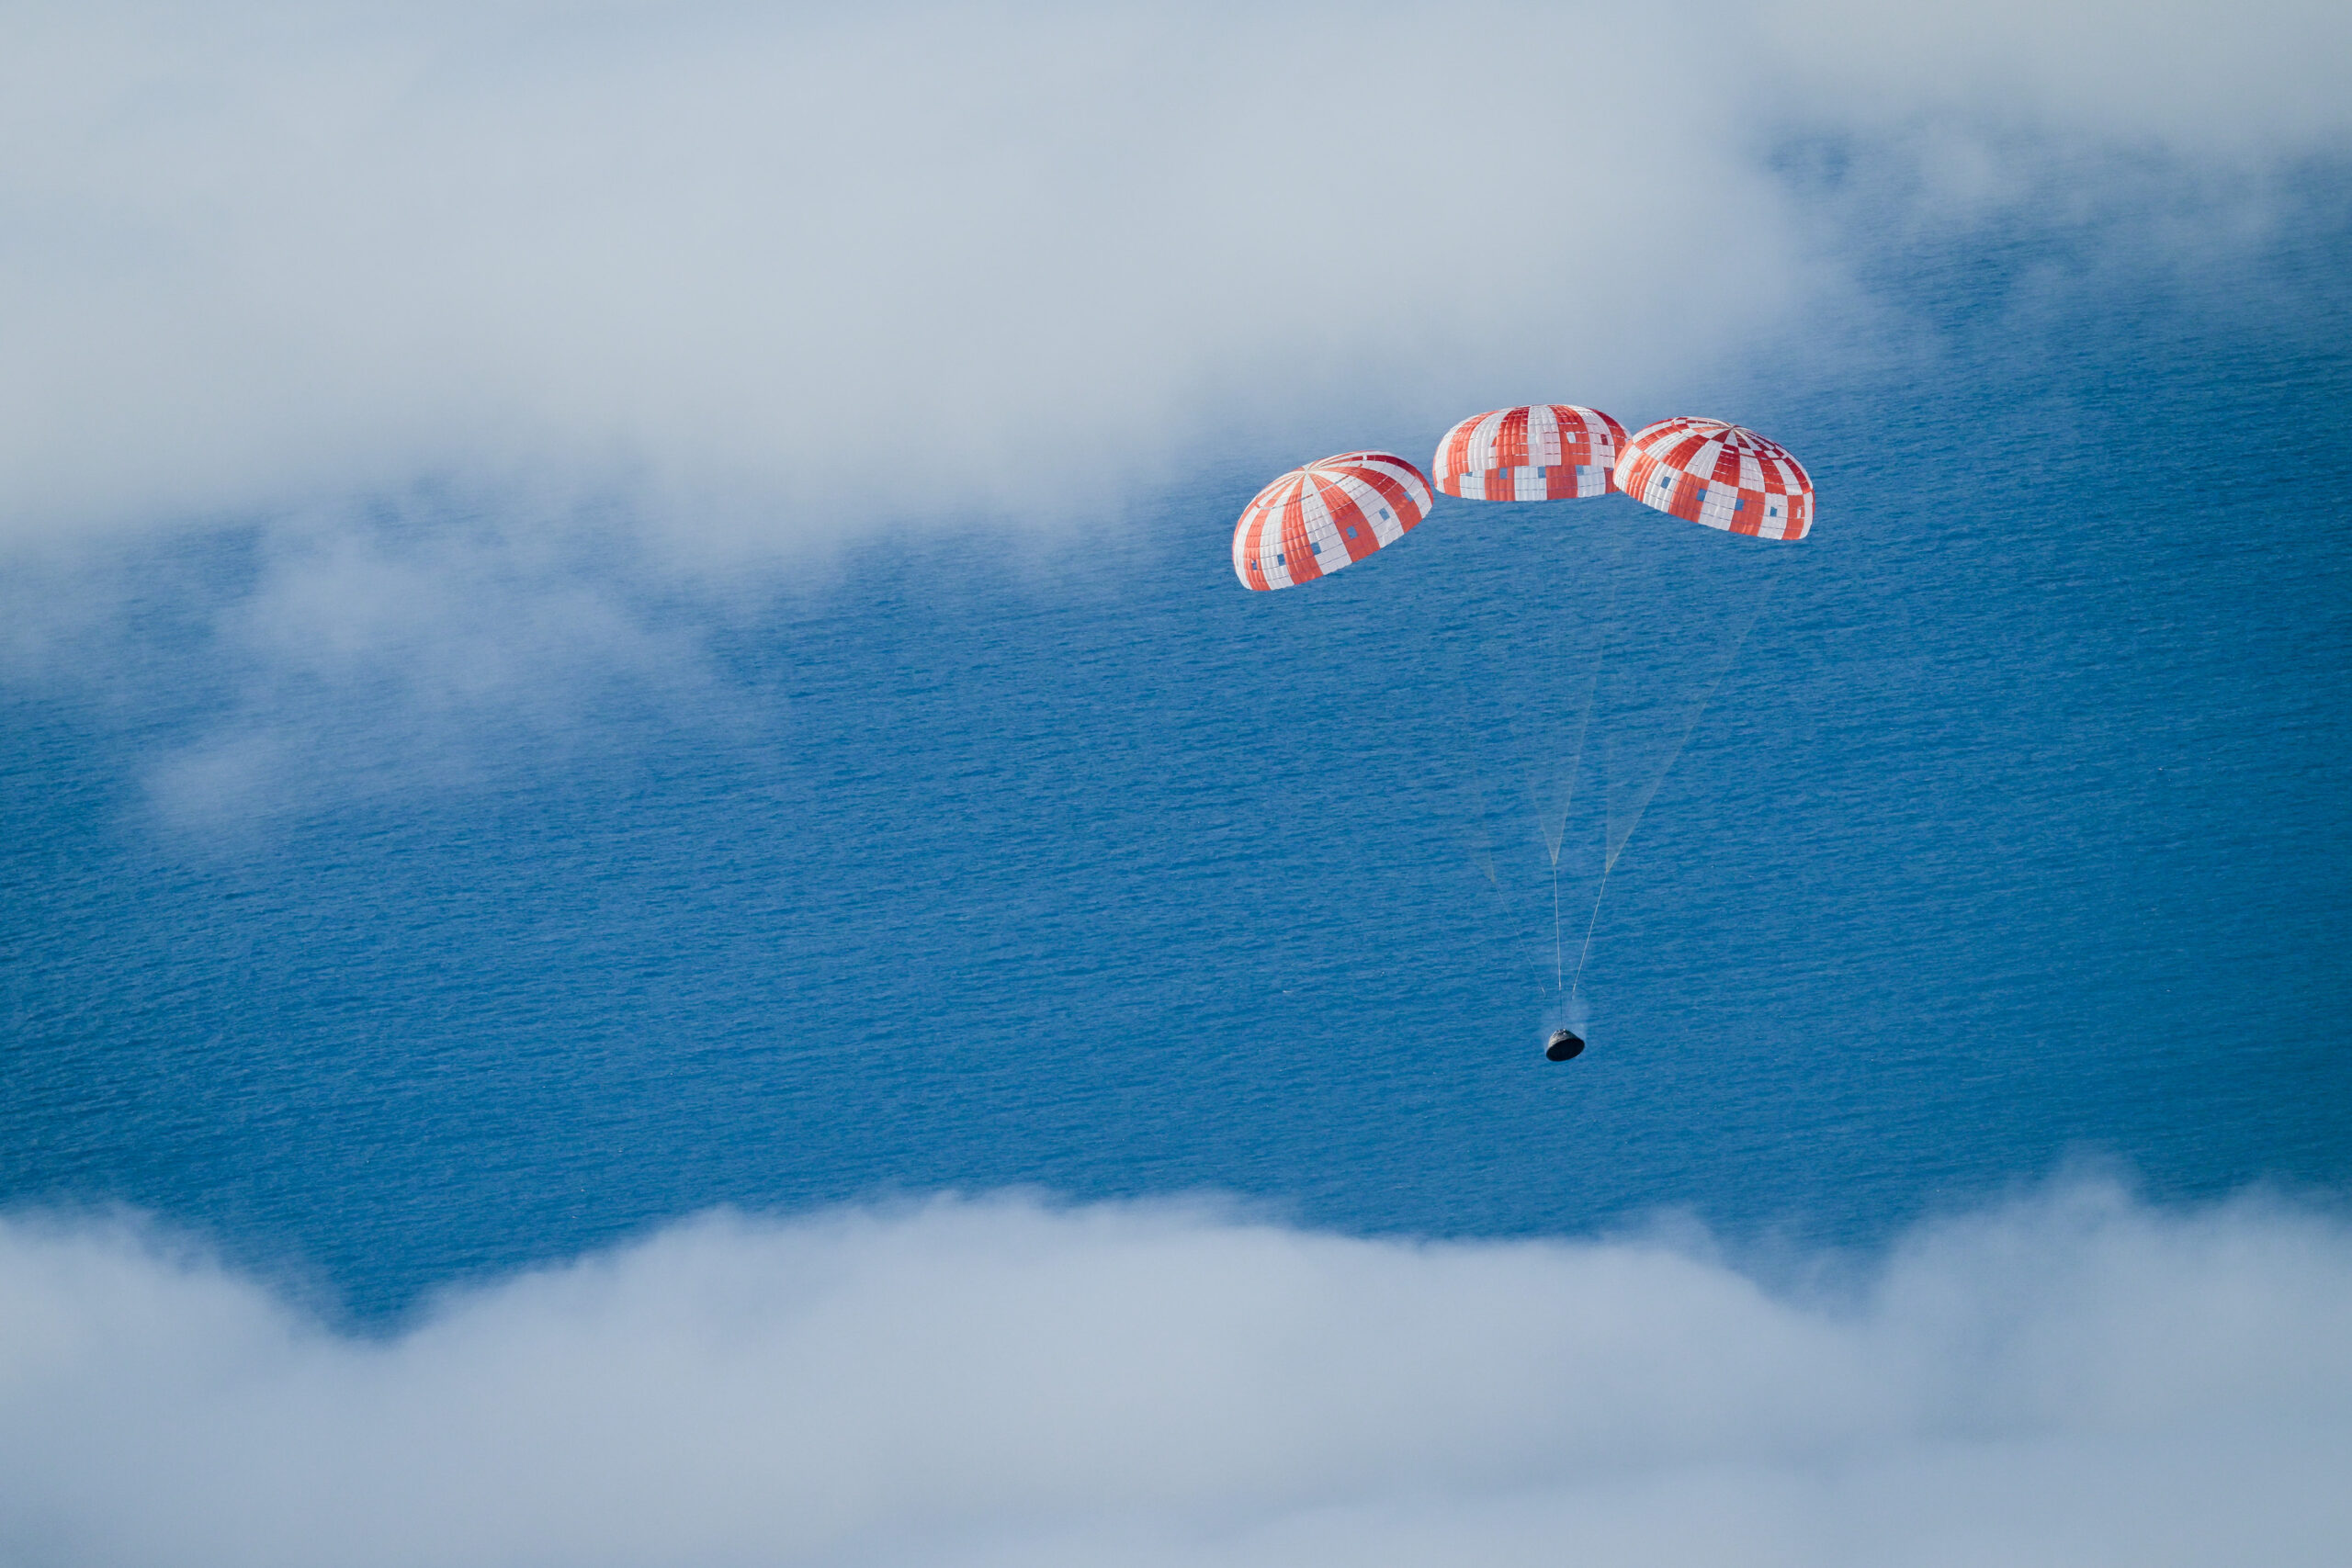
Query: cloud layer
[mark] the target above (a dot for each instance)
(779, 273)
(2074, 1379)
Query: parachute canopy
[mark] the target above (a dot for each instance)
(1541, 452)
(1724, 476)
(1315, 519)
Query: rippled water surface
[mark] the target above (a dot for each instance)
(2016, 833)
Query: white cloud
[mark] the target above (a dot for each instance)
(783, 272)
(2074, 1380)
(366, 657)
(2183, 75)
(682, 297)
(931, 260)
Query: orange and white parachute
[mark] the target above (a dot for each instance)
(1540, 452)
(1724, 476)
(1316, 519)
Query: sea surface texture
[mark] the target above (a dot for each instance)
(2013, 836)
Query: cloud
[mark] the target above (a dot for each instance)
(782, 273)
(2074, 1378)
(2184, 75)
(502, 331)
(780, 264)
(370, 656)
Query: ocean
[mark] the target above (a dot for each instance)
(2013, 840)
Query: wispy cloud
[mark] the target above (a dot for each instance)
(2075, 1378)
(369, 655)
(682, 297)
(781, 272)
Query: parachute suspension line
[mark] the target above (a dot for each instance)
(1689, 729)
(1555, 922)
(1608, 861)
(1586, 951)
(1552, 817)
(1554, 841)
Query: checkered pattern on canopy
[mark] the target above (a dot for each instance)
(1315, 519)
(1722, 475)
(1540, 452)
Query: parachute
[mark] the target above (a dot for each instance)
(1653, 624)
(1316, 519)
(1724, 476)
(1540, 452)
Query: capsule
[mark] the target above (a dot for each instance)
(1563, 1046)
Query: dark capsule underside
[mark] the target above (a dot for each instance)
(1563, 1046)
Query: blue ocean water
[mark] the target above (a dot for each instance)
(2016, 834)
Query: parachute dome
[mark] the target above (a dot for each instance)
(1316, 519)
(1540, 452)
(1724, 476)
